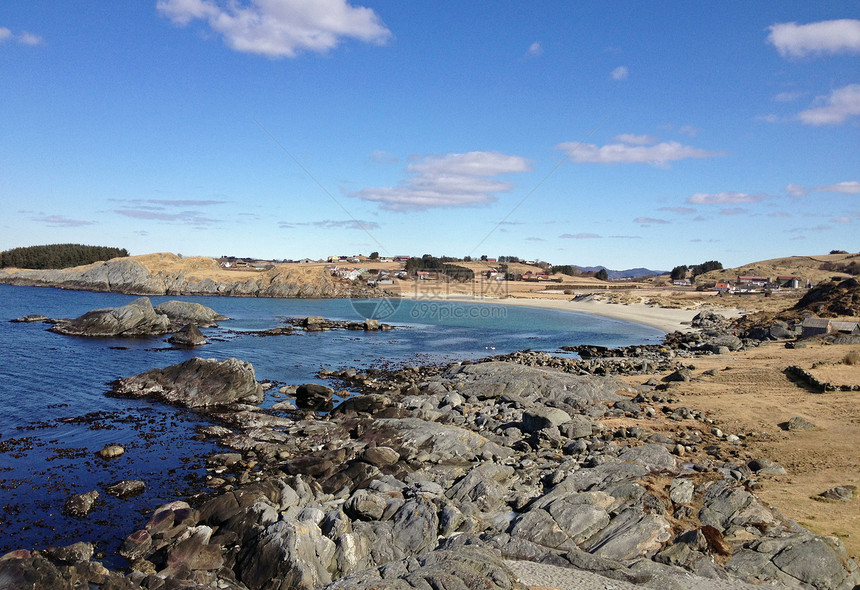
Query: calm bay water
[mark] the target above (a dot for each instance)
(54, 414)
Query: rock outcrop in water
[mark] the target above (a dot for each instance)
(138, 319)
(196, 383)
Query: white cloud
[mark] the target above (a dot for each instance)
(841, 220)
(631, 139)
(850, 187)
(779, 214)
(724, 198)
(840, 105)
(582, 236)
(359, 224)
(769, 118)
(451, 180)
(618, 153)
(796, 190)
(383, 157)
(683, 210)
(829, 36)
(649, 221)
(534, 50)
(620, 73)
(787, 96)
(25, 38)
(733, 211)
(688, 130)
(280, 28)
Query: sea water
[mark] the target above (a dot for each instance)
(55, 416)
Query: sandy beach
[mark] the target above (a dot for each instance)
(662, 318)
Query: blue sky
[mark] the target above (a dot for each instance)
(624, 134)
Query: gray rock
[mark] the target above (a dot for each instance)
(681, 375)
(287, 555)
(196, 383)
(798, 423)
(653, 456)
(189, 335)
(538, 418)
(729, 341)
(81, 504)
(454, 569)
(494, 379)
(365, 505)
(126, 488)
(681, 490)
(415, 526)
(111, 451)
(578, 426)
(813, 562)
(313, 396)
(185, 312)
(839, 493)
(380, 456)
(765, 466)
(137, 319)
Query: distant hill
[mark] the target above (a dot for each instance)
(814, 269)
(630, 273)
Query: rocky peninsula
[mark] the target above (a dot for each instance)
(474, 475)
(170, 274)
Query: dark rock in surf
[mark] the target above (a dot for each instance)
(196, 383)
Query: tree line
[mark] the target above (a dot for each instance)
(58, 256)
(681, 272)
(439, 265)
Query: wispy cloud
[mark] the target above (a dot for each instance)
(841, 220)
(681, 210)
(834, 109)
(658, 155)
(60, 221)
(450, 180)
(22, 38)
(650, 221)
(332, 224)
(788, 96)
(620, 73)
(850, 187)
(581, 236)
(724, 198)
(733, 211)
(688, 130)
(194, 218)
(280, 28)
(633, 139)
(534, 50)
(823, 37)
(383, 157)
(779, 214)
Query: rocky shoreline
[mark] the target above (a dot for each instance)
(438, 477)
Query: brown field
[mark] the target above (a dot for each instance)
(751, 396)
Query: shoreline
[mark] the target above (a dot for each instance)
(663, 318)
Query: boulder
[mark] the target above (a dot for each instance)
(196, 383)
(189, 336)
(540, 417)
(797, 423)
(81, 504)
(126, 488)
(839, 493)
(186, 312)
(313, 396)
(135, 320)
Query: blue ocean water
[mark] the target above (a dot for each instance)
(54, 414)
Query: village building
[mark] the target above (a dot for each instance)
(816, 327)
(789, 282)
(845, 327)
(751, 281)
(724, 287)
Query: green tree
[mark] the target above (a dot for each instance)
(374, 255)
(679, 273)
(602, 275)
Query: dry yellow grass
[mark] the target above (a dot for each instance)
(751, 395)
